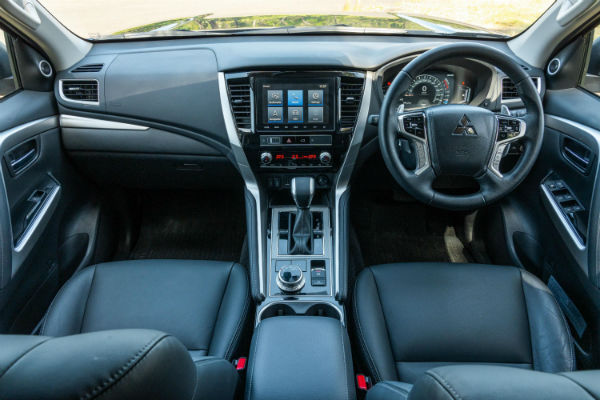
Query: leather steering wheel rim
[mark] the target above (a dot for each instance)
(493, 185)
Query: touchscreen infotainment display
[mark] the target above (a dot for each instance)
(295, 104)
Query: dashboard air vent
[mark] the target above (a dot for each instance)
(80, 90)
(241, 103)
(351, 90)
(89, 68)
(509, 90)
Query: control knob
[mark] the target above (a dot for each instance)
(325, 157)
(290, 279)
(266, 158)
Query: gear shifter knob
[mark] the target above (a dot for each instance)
(303, 190)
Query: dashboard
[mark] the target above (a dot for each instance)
(296, 102)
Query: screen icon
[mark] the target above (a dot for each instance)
(275, 114)
(315, 114)
(295, 114)
(275, 97)
(294, 97)
(315, 97)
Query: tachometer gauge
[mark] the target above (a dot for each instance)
(426, 90)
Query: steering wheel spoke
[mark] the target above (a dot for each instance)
(413, 126)
(508, 129)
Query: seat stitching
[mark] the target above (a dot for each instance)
(219, 310)
(104, 387)
(565, 326)
(394, 388)
(344, 356)
(528, 319)
(445, 384)
(62, 289)
(258, 331)
(585, 389)
(239, 327)
(570, 337)
(362, 340)
(89, 294)
(23, 355)
(387, 330)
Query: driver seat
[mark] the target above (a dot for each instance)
(413, 317)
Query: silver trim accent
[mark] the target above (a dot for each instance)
(295, 286)
(72, 121)
(345, 172)
(500, 146)
(311, 189)
(245, 171)
(9, 139)
(421, 143)
(64, 98)
(558, 216)
(34, 230)
(587, 262)
(274, 255)
(285, 302)
(42, 71)
(557, 68)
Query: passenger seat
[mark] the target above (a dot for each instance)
(202, 303)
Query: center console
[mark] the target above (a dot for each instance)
(295, 136)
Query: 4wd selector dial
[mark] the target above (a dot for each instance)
(290, 279)
(266, 158)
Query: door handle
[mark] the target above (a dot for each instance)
(22, 156)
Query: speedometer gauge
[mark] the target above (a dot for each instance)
(426, 90)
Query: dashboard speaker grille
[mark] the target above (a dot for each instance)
(351, 90)
(80, 90)
(241, 103)
(89, 68)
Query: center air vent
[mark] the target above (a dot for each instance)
(351, 90)
(241, 103)
(89, 68)
(509, 90)
(80, 90)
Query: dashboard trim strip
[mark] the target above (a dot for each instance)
(345, 173)
(73, 121)
(246, 172)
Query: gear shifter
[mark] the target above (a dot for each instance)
(303, 190)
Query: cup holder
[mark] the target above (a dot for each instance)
(280, 309)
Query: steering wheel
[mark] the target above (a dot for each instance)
(459, 140)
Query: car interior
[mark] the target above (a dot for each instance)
(298, 212)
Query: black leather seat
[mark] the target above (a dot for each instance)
(204, 304)
(413, 317)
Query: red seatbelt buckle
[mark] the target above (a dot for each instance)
(363, 382)
(240, 363)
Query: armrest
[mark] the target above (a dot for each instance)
(300, 357)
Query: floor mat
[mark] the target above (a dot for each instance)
(392, 231)
(191, 225)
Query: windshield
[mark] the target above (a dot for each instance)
(110, 19)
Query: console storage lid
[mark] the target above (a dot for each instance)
(300, 357)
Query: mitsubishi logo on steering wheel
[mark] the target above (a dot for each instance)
(465, 127)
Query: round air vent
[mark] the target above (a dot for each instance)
(45, 68)
(553, 66)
